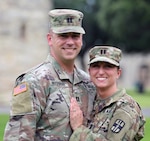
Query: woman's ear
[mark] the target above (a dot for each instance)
(119, 73)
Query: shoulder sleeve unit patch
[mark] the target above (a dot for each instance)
(20, 89)
(117, 126)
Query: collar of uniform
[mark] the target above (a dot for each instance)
(61, 73)
(112, 99)
(77, 77)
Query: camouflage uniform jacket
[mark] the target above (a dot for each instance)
(40, 103)
(117, 118)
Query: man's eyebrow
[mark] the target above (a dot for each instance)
(72, 33)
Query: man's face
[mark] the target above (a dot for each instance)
(65, 46)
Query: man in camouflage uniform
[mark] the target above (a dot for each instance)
(116, 116)
(41, 96)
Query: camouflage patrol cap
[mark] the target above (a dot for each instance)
(66, 20)
(108, 54)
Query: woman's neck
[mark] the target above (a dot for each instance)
(104, 93)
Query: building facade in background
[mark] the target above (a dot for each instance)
(23, 44)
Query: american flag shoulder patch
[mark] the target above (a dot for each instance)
(20, 89)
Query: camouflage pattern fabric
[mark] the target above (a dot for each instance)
(118, 118)
(40, 103)
(108, 54)
(66, 20)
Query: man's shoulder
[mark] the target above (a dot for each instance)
(35, 72)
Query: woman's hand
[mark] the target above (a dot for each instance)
(76, 115)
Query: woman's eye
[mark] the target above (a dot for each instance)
(75, 35)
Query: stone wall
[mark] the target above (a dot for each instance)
(23, 43)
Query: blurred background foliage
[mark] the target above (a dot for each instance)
(121, 23)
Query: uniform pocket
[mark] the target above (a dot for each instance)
(57, 109)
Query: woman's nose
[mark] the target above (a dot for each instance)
(100, 70)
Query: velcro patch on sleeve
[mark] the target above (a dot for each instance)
(21, 100)
(117, 126)
(20, 89)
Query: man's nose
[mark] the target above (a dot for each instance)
(70, 40)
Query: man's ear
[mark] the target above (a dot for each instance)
(49, 39)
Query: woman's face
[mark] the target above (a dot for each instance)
(104, 75)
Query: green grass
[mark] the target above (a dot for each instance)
(142, 99)
(147, 129)
(3, 121)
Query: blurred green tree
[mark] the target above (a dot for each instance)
(127, 23)
(121, 23)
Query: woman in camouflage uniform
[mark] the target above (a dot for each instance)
(116, 116)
